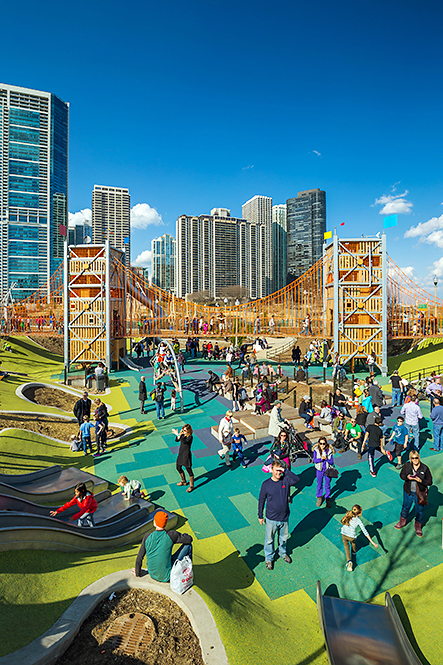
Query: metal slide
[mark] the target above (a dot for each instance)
(50, 485)
(358, 633)
(19, 531)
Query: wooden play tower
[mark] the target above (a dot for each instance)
(355, 298)
(94, 305)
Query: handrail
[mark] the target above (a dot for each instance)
(271, 353)
(419, 374)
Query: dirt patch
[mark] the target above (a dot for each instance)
(51, 397)
(47, 426)
(174, 640)
(53, 344)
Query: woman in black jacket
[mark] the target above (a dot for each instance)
(418, 478)
(184, 457)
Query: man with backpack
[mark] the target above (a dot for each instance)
(158, 395)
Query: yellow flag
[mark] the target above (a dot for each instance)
(327, 235)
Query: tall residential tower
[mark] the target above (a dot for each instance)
(279, 247)
(258, 210)
(306, 224)
(163, 262)
(111, 218)
(33, 187)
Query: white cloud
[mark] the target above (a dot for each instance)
(409, 271)
(142, 216)
(430, 231)
(245, 168)
(437, 268)
(80, 217)
(317, 152)
(144, 259)
(394, 204)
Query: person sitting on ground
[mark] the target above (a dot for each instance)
(85, 501)
(300, 375)
(212, 381)
(157, 546)
(305, 411)
(353, 434)
(338, 431)
(340, 402)
(325, 415)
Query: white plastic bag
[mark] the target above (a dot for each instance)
(182, 575)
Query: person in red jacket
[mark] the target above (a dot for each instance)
(85, 501)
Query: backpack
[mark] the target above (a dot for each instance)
(152, 394)
(242, 394)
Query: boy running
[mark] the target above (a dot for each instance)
(237, 446)
(400, 436)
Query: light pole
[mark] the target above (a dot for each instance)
(435, 302)
(225, 300)
(237, 303)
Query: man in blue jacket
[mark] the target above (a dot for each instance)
(275, 492)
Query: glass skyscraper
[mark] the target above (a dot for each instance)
(34, 187)
(306, 225)
(163, 251)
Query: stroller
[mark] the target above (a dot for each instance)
(296, 446)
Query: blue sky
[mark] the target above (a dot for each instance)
(204, 104)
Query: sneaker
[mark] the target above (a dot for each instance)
(96, 455)
(245, 466)
(358, 456)
(270, 565)
(328, 503)
(287, 558)
(389, 455)
(319, 501)
(374, 475)
(349, 566)
(399, 466)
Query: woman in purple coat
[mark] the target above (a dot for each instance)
(323, 460)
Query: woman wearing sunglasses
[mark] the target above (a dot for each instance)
(418, 479)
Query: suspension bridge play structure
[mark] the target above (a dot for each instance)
(355, 297)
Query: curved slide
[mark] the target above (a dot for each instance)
(50, 485)
(356, 632)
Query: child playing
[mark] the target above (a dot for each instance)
(350, 523)
(76, 444)
(323, 460)
(400, 436)
(85, 501)
(85, 431)
(100, 435)
(173, 399)
(130, 488)
(237, 446)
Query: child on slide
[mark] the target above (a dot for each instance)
(130, 488)
(85, 501)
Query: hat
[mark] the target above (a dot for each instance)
(160, 519)
(277, 401)
(307, 397)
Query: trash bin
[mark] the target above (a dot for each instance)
(101, 382)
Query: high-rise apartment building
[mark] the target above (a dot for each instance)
(111, 218)
(258, 210)
(33, 187)
(217, 252)
(163, 251)
(306, 225)
(279, 247)
(78, 233)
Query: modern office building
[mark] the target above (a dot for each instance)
(215, 253)
(258, 210)
(33, 187)
(163, 251)
(77, 234)
(111, 218)
(306, 225)
(279, 247)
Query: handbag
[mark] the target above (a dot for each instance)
(422, 496)
(331, 472)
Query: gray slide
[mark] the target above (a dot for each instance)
(52, 485)
(363, 634)
(19, 531)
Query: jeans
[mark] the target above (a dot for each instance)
(86, 520)
(408, 500)
(273, 527)
(414, 436)
(396, 396)
(344, 410)
(307, 417)
(438, 437)
(87, 444)
(160, 406)
(183, 550)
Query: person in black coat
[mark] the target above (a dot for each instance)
(82, 408)
(184, 457)
(142, 394)
(418, 479)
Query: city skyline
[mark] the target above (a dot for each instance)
(359, 117)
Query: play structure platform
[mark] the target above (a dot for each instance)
(356, 632)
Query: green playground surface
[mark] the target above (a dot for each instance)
(255, 609)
